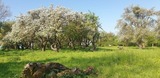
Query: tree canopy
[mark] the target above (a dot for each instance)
(136, 24)
(48, 26)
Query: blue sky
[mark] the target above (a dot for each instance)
(109, 11)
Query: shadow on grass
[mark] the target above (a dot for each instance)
(88, 50)
(15, 52)
(14, 69)
(11, 69)
(106, 49)
(146, 48)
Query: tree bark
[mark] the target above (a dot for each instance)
(55, 47)
(43, 43)
(43, 48)
(141, 45)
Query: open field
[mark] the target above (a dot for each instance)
(108, 61)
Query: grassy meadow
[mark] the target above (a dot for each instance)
(110, 62)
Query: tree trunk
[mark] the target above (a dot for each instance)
(32, 45)
(43, 48)
(43, 43)
(55, 47)
(141, 45)
(17, 46)
(152, 44)
(71, 44)
(59, 44)
(94, 46)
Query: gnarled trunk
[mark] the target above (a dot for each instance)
(43, 43)
(55, 47)
(141, 45)
(43, 48)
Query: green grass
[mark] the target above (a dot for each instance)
(108, 61)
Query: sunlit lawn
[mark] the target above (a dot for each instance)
(110, 62)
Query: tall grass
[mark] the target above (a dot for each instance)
(110, 62)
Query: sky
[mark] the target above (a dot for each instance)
(109, 11)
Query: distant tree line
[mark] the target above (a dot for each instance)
(107, 39)
(59, 27)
